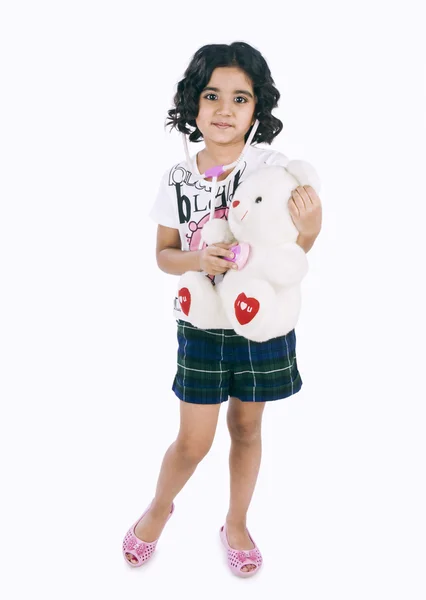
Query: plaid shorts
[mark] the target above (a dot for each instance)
(213, 364)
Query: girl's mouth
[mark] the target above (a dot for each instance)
(221, 126)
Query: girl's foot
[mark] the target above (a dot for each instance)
(152, 524)
(239, 539)
(141, 539)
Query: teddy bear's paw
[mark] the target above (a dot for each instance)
(252, 308)
(198, 299)
(217, 230)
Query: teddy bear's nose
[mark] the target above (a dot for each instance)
(235, 203)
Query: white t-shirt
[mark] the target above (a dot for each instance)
(184, 204)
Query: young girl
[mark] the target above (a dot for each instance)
(224, 90)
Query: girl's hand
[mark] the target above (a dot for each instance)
(306, 211)
(210, 261)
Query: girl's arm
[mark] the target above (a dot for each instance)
(305, 242)
(306, 211)
(170, 258)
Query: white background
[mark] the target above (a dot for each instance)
(88, 341)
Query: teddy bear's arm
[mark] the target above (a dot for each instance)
(286, 266)
(217, 231)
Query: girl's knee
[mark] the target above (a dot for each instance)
(192, 449)
(244, 431)
(244, 420)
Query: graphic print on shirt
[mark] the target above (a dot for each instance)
(189, 208)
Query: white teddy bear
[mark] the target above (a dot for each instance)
(261, 300)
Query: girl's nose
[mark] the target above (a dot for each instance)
(235, 203)
(225, 107)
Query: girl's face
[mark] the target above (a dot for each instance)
(227, 99)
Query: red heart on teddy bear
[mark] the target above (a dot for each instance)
(246, 308)
(185, 300)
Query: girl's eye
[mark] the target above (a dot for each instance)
(238, 97)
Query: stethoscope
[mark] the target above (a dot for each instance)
(215, 172)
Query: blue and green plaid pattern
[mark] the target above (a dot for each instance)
(213, 364)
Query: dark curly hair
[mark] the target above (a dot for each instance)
(197, 76)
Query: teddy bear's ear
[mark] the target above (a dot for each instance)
(304, 173)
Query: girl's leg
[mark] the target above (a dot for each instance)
(244, 423)
(197, 429)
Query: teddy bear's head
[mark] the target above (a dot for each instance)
(259, 213)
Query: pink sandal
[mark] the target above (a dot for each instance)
(239, 558)
(137, 550)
